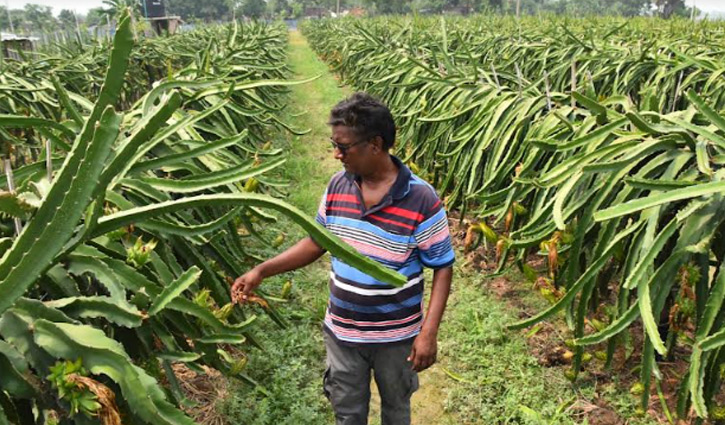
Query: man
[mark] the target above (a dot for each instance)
(384, 211)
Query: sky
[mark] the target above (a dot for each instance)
(708, 5)
(82, 6)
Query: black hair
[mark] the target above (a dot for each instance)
(366, 116)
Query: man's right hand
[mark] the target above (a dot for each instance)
(245, 284)
(301, 254)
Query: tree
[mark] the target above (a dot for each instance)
(67, 19)
(388, 6)
(40, 18)
(207, 10)
(427, 6)
(115, 7)
(278, 8)
(297, 8)
(20, 23)
(4, 21)
(96, 16)
(667, 8)
(254, 8)
(628, 7)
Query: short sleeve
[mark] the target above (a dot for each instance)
(433, 237)
(322, 210)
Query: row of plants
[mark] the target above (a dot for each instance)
(135, 175)
(575, 140)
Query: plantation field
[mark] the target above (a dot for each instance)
(575, 141)
(581, 162)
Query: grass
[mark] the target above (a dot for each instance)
(499, 380)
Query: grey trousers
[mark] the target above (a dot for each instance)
(347, 381)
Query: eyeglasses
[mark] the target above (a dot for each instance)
(343, 148)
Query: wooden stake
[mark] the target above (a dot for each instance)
(10, 17)
(48, 161)
(573, 83)
(133, 28)
(108, 28)
(590, 78)
(495, 76)
(78, 27)
(548, 90)
(11, 188)
(677, 93)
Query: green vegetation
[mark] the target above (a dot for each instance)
(293, 359)
(493, 377)
(587, 165)
(576, 142)
(121, 230)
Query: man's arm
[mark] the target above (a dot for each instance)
(297, 256)
(425, 346)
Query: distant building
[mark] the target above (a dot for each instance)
(316, 12)
(12, 44)
(165, 24)
(358, 12)
(458, 10)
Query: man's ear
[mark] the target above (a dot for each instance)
(377, 142)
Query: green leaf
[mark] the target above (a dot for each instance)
(707, 134)
(190, 230)
(30, 122)
(222, 339)
(13, 366)
(179, 356)
(657, 184)
(712, 308)
(13, 205)
(174, 289)
(54, 223)
(80, 264)
(326, 240)
(709, 113)
(120, 313)
(636, 205)
(104, 356)
(206, 148)
(197, 183)
(591, 271)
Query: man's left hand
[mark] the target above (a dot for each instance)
(423, 354)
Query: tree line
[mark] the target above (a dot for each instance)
(34, 18)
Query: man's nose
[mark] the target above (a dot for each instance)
(338, 154)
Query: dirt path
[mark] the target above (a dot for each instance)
(310, 105)
(313, 102)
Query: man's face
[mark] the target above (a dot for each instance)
(353, 152)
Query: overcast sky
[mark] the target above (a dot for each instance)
(82, 6)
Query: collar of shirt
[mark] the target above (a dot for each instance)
(400, 187)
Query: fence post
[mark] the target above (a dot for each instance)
(48, 161)
(548, 90)
(11, 187)
(495, 76)
(573, 83)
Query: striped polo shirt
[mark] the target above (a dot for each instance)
(406, 231)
